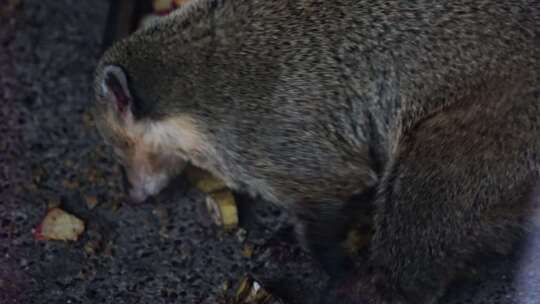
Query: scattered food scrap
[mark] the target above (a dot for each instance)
(163, 6)
(248, 251)
(59, 225)
(91, 201)
(225, 286)
(356, 241)
(250, 291)
(241, 235)
(179, 3)
(148, 20)
(220, 201)
(203, 180)
(222, 209)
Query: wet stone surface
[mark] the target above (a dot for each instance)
(161, 252)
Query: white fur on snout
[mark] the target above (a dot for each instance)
(153, 184)
(137, 195)
(147, 185)
(167, 140)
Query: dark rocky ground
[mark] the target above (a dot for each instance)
(162, 252)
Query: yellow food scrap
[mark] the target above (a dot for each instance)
(225, 286)
(222, 209)
(162, 5)
(203, 180)
(179, 3)
(251, 291)
(247, 251)
(59, 225)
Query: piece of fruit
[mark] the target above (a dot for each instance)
(179, 3)
(148, 20)
(59, 225)
(222, 209)
(203, 180)
(250, 291)
(162, 6)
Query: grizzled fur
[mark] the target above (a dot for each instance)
(433, 106)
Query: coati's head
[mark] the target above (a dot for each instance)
(151, 151)
(145, 96)
(219, 85)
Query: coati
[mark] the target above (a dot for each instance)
(431, 106)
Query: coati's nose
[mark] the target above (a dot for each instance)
(136, 195)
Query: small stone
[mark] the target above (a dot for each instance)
(163, 232)
(91, 201)
(161, 213)
(185, 251)
(247, 251)
(91, 247)
(38, 174)
(115, 205)
(24, 262)
(225, 286)
(241, 235)
(71, 184)
(162, 6)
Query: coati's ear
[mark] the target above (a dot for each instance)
(115, 89)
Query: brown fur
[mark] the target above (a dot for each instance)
(427, 111)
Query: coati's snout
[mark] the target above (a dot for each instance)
(150, 151)
(146, 174)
